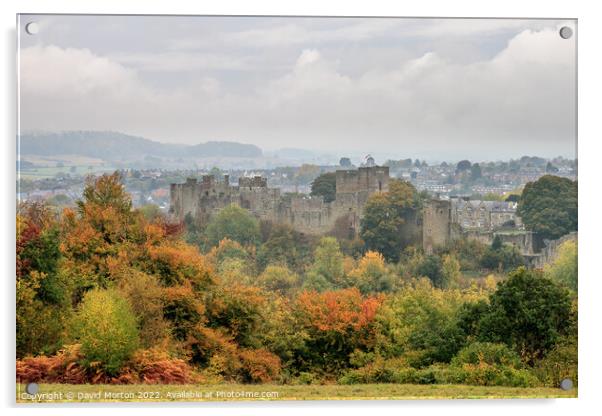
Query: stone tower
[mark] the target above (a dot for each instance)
(436, 225)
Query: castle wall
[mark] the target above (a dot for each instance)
(307, 214)
(550, 250)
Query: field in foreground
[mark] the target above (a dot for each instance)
(236, 392)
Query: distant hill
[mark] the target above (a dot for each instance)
(118, 146)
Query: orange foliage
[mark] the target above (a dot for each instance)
(155, 366)
(338, 310)
(259, 366)
(178, 262)
(146, 366)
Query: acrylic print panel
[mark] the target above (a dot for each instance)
(282, 208)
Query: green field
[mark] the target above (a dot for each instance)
(237, 392)
(51, 172)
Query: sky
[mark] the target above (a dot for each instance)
(436, 89)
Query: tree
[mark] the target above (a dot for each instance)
(450, 271)
(337, 323)
(345, 162)
(278, 279)
(419, 323)
(527, 312)
(548, 206)
(106, 328)
(326, 272)
(235, 223)
(371, 274)
(475, 172)
(43, 291)
(463, 165)
(325, 185)
(550, 168)
(431, 267)
(500, 256)
(564, 267)
(384, 216)
(285, 245)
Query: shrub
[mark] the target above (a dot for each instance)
(146, 366)
(488, 353)
(106, 328)
(259, 366)
(155, 366)
(62, 367)
(488, 375)
(307, 378)
(395, 370)
(558, 364)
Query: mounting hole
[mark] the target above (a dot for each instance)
(565, 32)
(32, 28)
(32, 388)
(566, 384)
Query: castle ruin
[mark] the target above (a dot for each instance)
(308, 214)
(439, 223)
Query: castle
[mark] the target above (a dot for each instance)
(307, 214)
(438, 224)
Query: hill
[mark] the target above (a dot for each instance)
(115, 146)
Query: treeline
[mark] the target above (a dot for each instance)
(109, 294)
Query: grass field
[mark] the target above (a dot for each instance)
(51, 172)
(236, 392)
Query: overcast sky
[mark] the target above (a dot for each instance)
(428, 88)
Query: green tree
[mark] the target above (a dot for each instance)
(431, 267)
(384, 216)
(285, 245)
(527, 312)
(475, 172)
(500, 256)
(345, 162)
(548, 206)
(279, 279)
(463, 165)
(420, 324)
(106, 328)
(235, 223)
(326, 272)
(325, 185)
(450, 271)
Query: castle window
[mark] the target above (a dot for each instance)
(380, 186)
(206, 193)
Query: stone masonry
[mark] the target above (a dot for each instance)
(203, 199)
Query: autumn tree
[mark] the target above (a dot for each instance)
(419, 323)
(384, 217)
(286, 246)
(43, 291)
(234, 223)
(278, 279)
(326, 272)
(337, 322)
(371, 274)
(563, 268)
(106, 328)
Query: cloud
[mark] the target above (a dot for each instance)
(519, 101)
